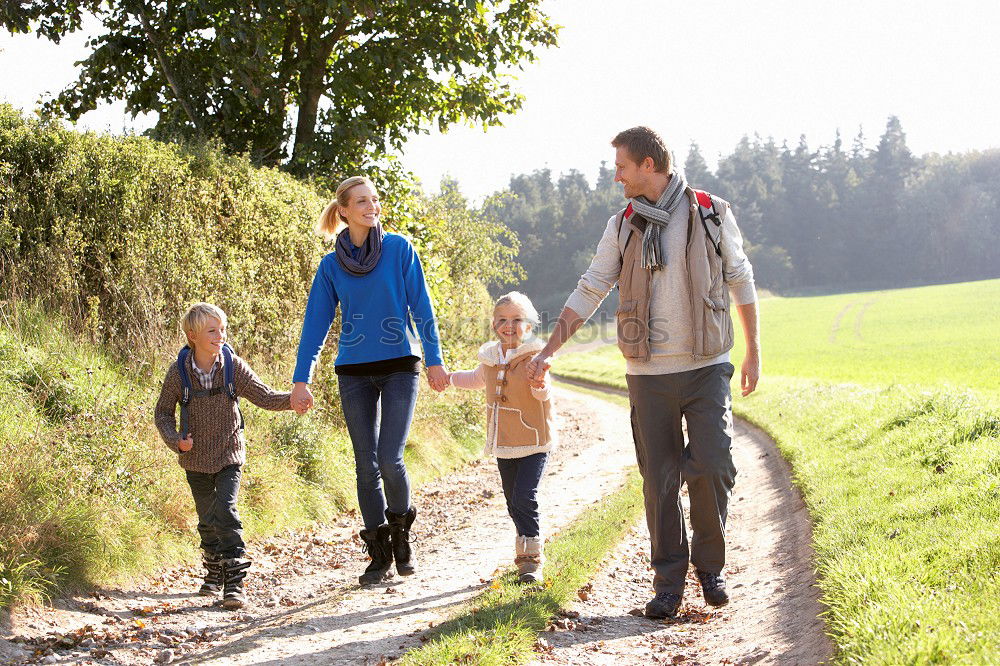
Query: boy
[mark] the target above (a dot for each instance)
(210, 445)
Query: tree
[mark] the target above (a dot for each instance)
(696, 170)
(321, 87)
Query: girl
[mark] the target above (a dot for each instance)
(520, 430)
(377, 280)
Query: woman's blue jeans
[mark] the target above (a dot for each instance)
(378, 410)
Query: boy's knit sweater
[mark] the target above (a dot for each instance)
(214, 421)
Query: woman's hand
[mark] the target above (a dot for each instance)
(437, 377)
(302, 398)
(185, 445)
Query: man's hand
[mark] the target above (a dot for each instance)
(537, 367)
(437, 377)
(535, 383)
(185, 445)
(302, 398)
(750, 372)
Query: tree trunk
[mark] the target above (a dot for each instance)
(311, 87)
(168, 72)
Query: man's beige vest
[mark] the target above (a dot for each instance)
(523, 424)
(710, 321)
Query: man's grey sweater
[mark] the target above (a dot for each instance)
(670, 302)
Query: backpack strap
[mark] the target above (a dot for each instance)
(182, 357)
(709, 213)
(228, 373)
(624, 232)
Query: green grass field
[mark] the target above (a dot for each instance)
(938, 336)
(886, 405)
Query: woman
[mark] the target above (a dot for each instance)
(377, 279)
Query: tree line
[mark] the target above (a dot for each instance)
(833, 217)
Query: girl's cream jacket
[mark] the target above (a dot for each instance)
(519, 418)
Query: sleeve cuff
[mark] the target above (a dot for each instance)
(743, 293)
(581, 305)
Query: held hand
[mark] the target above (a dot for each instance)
(186, 445)
(750, 372)
(538, 383)
(538, 366)
(302, 398)
(437, 377)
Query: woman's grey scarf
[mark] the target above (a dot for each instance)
(658, 216)
(368, 253)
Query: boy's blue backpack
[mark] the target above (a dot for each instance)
(229, 386)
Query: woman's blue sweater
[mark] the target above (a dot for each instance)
(382, 312)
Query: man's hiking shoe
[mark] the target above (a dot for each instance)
(713, 587)
(213, 575)
(379, 548)
(399, 534)
(234, 570)
(663, 605)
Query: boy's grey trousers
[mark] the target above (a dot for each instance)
(219, 523)
(658, 403)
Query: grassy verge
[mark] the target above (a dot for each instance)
(904, 488)
(502, 625)
(90, 495)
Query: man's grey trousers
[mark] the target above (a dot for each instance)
(702, 398)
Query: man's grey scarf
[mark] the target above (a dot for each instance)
(658, 216)
(368, 253)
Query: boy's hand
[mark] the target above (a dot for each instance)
(302, 398)
(185, 445)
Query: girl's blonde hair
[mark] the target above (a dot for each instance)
(330, 221)
(522, 302)
(196, 318)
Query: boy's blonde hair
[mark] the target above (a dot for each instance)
(196, 318)
(521, 301)
(330, 221)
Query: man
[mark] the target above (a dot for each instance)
(673, 252)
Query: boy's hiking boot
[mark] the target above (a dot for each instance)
(713, 587)
(663, 605)
(379, 548)
(234, 570)
(529, 559)
(399, 534)
(213, 574)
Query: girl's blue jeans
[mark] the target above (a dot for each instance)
(378, 410)
(520, 478)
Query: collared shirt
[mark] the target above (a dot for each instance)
(205, 378)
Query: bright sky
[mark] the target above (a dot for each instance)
(709, 71)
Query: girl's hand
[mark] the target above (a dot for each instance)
(302, 398)
(186, 445)
(539, 383)
(437, 377)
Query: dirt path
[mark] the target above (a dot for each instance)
(305, 606)
(773, 617)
